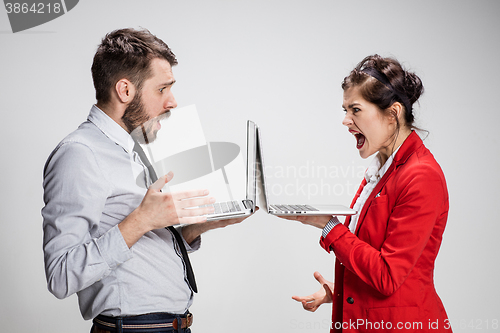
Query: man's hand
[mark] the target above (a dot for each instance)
(324, 295)
(192, 231)
(162, 209)
(318, 221)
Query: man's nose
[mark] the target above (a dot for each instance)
(170, 102)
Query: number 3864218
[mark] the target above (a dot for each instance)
(35, 8)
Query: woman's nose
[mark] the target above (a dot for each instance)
(347, 120)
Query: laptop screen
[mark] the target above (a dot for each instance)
(251, 162)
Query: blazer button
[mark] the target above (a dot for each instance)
(350, 300)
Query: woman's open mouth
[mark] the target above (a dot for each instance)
(360, 140)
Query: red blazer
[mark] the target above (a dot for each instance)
(384, 272)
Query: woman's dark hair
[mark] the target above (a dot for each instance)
(126, 53)
(383, 81)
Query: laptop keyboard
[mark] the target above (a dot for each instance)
(293, 208)
(225, 207)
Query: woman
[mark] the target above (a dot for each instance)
(385, 253)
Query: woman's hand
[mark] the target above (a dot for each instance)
(318, 221)
(324, 295)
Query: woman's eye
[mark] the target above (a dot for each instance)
(161, 89)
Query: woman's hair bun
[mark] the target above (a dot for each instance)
(384, 81)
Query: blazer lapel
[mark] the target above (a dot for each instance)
(411, 144)
(375, 191)
(358, 193)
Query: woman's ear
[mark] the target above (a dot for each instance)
(395, 112)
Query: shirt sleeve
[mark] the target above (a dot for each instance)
(334, 221)
(75, 193)
(411, 225)
(194, 245)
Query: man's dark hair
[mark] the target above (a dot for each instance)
(126, 53)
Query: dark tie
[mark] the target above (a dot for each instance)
(180, 242)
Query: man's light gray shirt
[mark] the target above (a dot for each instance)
(92, 181)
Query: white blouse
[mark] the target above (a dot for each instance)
(372, 175)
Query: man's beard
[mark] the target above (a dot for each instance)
(141, 127)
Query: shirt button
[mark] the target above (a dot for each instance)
(350, 300)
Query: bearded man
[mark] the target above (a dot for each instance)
(106, 237)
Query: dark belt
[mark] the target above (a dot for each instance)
(152, 322)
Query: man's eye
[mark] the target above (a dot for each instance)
(354, 110)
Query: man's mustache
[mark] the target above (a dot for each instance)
(159, 118)
(163, 116)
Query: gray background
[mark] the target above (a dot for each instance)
(279, 63)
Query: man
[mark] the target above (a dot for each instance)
(105, 235)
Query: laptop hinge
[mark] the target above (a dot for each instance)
(248, 204)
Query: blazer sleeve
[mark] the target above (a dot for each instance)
(421, 199)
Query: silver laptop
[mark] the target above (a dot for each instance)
(288, 209)
(245, 207)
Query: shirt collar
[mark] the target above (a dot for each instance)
(111, 129)
(375, 172)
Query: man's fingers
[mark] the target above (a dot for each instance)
(188, 203)
(160, 182)
(193, 220)
(189, 194)
(169, 176)
(194, 212)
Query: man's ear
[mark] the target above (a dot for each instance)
(125, 90)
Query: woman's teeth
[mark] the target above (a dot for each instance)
(360, 140)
